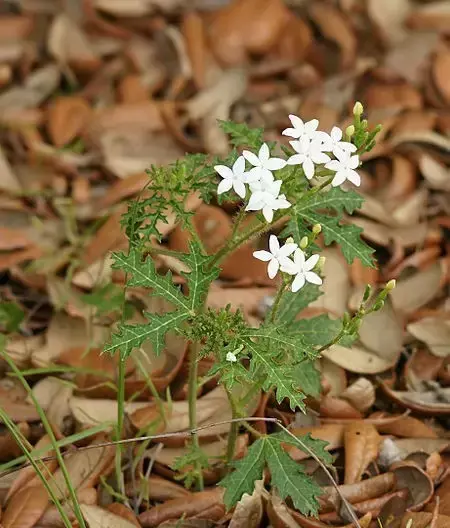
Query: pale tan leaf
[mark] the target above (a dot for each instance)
(434, 332)
(25, 508)
(98, 517)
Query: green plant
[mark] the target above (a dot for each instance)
(280, 354)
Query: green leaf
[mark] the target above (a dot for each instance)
(318, 330)
(314, 445)
(307, 378)
(242, 134)
(247, 471)
(143, 274)
(316, 208)
(290, 480)
(288, 342)
(133, 336)
(200, 276)
(293, 303)
(278, 373)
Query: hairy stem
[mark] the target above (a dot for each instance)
(192, 398)
(234, 429)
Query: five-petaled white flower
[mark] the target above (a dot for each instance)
(344, 167)
(309, 153)
(268, 199)
(263, 164)
(302, 269)
(231, 357)
(300, 129)
(234, 177)
(333, 142)
(277, 256)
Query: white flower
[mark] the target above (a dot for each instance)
(309, 153)
(334, 142)
(344, 167)
(231, 357)
(300, 129)
(277, 256)
(268, 199)
(234, 177)
(263, 164)
(265, 183)
(302, 270)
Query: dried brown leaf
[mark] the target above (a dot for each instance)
(25, 508)
(362, 443)
(99, 518)
(67, 117)
(361, 394)
(434, 332)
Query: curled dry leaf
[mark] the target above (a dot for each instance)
(25, 508)
(361, 394)
(431, 402)
(206, 504)
(333, 434)
(407, 427)
(338, 408)
(161, 489)
(123, 511)
(335, 377)
(362, 443)
(357, 492)
(279, 514)
(409, 475)
(389, 18)
(434, 332)
(249, 510)
(436, 174)
(8, 445)
(52, 517)
(67, 117)
(99, 517)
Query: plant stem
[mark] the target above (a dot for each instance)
(278, 298)
(119, 426)
(192, 398)
(15, 432)
(234, 429)
(51, 435)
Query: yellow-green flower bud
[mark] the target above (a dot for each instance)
(304, 242)
(358, 109)
(317, 228)
(390, 285)
(321, 263)
(289, 240)
(349, 131)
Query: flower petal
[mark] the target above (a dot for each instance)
(311, 126)
(287, 250)
(274, 244)
(311, 262)
(251, 158)
(299, 258)
(354, 162)
(239, 187)
(347, 147)
(239, 165)
(263, 255)
(264, 153)
(268, 213)
(274, 187)
(354, 177)
(313, 278)
(320, 157)
(333, 165)
(272, 268)
(336, 134)
(308, 167)
(275, 164)
(224, 186)
(282, 203)
(256, 201)
(224, 171)
(291, 132)
(296, 159)
(298, 283)
(339, 179)
(287, 266)
(296, 122)
(253, 175)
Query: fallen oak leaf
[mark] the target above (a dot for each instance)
(362, 443)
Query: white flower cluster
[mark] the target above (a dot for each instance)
(265, 189)
(312, 147)
(278, 258)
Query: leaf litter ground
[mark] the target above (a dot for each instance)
(92, 95)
